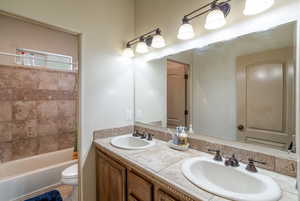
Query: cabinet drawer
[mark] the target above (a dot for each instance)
(138, 188)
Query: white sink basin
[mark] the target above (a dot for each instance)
(229, 182)
(130, 142)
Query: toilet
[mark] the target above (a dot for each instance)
(70, 177)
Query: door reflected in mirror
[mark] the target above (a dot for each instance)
(241, 89)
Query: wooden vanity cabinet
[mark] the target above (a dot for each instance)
(118, 182)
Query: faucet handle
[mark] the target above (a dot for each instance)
(251, 166)
(218, 156)
(149, 136)
(135, 134)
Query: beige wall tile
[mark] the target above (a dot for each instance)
(47, 127)
(24, 129)
(24, 110)
(103, 133)
(48, 143)
(47, 109)
(286, 167)
(5, 111)
(48, 80)
(66, 108)
(67, 81)
(5, 151)
(24, 148)
(25, 78)
(5, 132)
(66, 140)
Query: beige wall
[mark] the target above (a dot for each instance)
(16, 33)
(106, 84)
(167, 15)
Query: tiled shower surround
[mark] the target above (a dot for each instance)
(37, 111)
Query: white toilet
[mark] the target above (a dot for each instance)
(70, 177)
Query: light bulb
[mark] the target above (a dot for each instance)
(253, 7)
(141, 47)
(128, 52)
(185, 32)
(158, 41)
(215, 19)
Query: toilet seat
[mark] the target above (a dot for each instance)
(70, 175)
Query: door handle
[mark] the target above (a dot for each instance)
(240, 127)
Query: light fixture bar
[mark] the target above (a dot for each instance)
(144, 36)
(152, 39)
(212, 5)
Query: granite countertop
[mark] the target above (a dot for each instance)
(165, 163)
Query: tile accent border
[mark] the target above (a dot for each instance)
(276, 164)
(110, 132)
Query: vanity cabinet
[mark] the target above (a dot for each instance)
(118, 181)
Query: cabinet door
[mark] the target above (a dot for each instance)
(139, 189)
(162, 196)
(111, 179)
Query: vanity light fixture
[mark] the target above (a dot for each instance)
(253, 7)
(151, 39)
(158, 41)
(128, 52)
(217, 11)
(141, 46)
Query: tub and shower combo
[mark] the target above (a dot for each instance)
(25, 176)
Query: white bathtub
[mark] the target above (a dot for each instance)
(24, 176)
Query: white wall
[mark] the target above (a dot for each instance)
(107, 88)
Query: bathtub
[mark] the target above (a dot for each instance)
(25, 176)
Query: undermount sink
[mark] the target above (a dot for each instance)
(130, 142)
(233, 183)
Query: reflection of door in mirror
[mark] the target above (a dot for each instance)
(265, 97)
(177, 92)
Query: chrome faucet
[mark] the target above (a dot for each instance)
(144, 135)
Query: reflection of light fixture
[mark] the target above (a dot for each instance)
(141, 46)
(158, 41)
(253, 7)
(217, 11)
(128, 52)
(151, 39)
(186, 30)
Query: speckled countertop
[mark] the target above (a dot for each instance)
(165, 163)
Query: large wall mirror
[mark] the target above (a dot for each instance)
(241, 89)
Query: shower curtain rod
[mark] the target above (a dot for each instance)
(30, 57)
